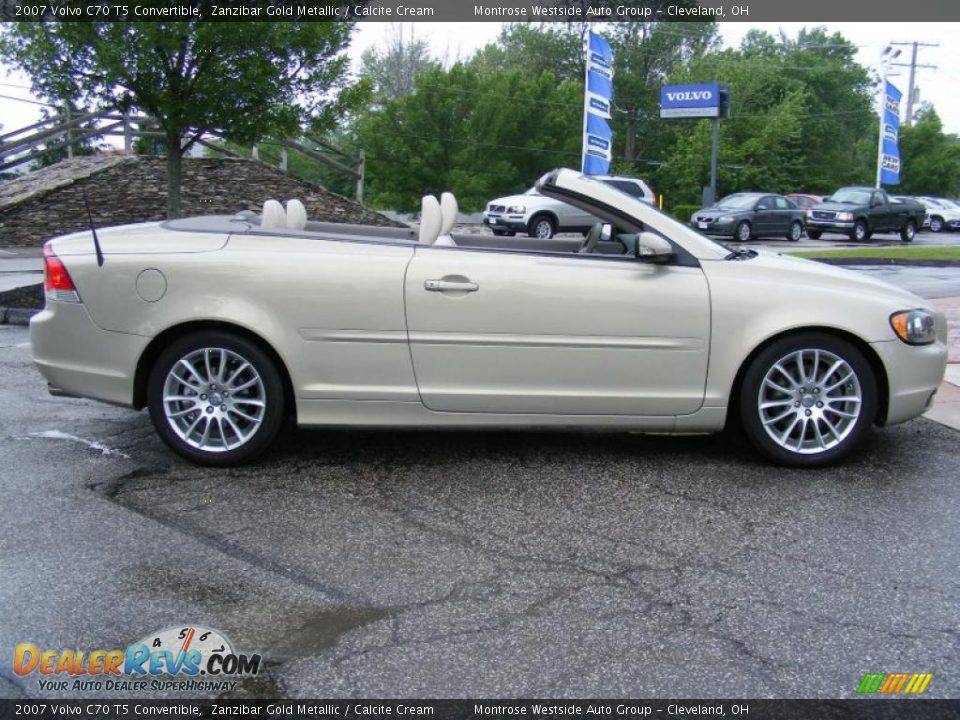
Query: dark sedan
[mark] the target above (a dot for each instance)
(743, 216)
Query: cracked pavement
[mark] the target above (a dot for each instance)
(488, 564)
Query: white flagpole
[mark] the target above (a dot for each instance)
(586, 99)
(883, 122)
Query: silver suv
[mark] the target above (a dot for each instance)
(539, 216)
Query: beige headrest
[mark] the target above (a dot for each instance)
(296, 215)
(430, 220)
(274, 215)
(448, 210)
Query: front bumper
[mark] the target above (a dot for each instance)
(79, 359)
(841, 226)
(505, 222)
(914, 373)
(725, 229)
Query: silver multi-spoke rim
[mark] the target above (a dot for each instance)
(810, 401)
(543, 229)
(796, 230)
(743, 233)
(214, 399)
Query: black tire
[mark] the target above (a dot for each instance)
(542, 226)
(908, 232)
(814, 234)
(936, 223)
(860, 232)
(743, 232)
(749, 400)
(237, 349)
(795, 232)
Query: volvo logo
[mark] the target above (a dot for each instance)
(690, 95)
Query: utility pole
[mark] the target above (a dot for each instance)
(911, 91)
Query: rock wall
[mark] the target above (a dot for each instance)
(121, 190)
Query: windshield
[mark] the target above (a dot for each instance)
(952, 204)
(853, 197)
(930, 202)
(738, 201)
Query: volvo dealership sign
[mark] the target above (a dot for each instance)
(691, 101)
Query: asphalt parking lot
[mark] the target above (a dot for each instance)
(404, 564)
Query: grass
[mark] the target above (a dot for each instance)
(887, 253)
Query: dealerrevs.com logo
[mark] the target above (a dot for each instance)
(172, 659)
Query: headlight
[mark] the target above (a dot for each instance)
(844, 216)
(726, 219)
(517, 209)
(914, 327)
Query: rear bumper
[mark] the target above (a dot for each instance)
(79, 359)
(914, 373)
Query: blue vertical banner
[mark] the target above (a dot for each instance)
(597, 102)
(890, 127)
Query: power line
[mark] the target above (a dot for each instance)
(913, 71)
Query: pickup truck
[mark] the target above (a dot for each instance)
(861, 211)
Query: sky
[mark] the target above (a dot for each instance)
(451, 41)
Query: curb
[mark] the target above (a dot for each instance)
(885, 262)
(17, 316)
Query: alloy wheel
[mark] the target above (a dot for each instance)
(809, 401)
(214, 399)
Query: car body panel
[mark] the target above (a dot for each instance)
(564, 335)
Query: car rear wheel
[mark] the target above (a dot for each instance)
(814, 234)
(216, 398)
(795, 232)
(743, 232)
(504, 233)
(908, 232)
(936, 223)
(808, 399)
(542, 226)
(860, 232)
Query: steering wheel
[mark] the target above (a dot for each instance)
(592, 238)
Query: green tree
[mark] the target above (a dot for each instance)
(477, 134)
(534, 50)
(243, 80)
(929, 160)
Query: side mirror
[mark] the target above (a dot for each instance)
(652, 248)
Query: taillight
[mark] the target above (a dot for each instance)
(57, 283)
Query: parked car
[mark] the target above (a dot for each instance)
(743, 216)
(858, 212)
(223, 326)
(804, 201)
(943, 214)
(544, 217)
(908, 198)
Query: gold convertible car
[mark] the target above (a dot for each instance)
(222, 326)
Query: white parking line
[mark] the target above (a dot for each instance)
(7, 252)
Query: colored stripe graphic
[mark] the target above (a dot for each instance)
(894, 683)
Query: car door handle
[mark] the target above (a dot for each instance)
(450, 286)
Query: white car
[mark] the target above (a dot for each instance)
(224, 326)
(543, 217)
(943, 214)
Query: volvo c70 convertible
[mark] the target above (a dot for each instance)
(222, 326)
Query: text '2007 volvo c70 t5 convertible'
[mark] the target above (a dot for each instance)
(222, 326)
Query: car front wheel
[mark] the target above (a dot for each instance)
(216, 398)
(936, 224)
(743, 232)
(808, 399)
(860, 232)
(814, 234)
(542, 226)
